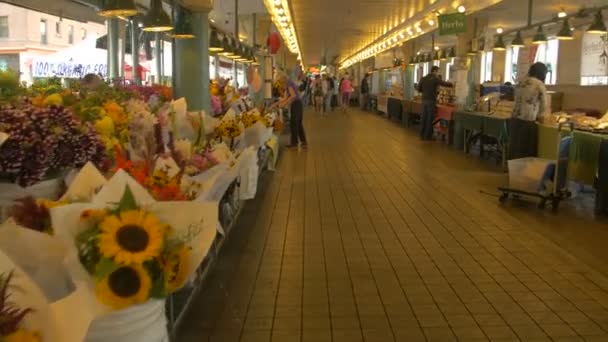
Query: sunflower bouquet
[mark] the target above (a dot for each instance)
(11, 316)
(131, 254)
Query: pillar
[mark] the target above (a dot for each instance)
(135, 52)
(158, 57)
(113, 53)
(192, 65)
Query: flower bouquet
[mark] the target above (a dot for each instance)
(229, 131)
(129, 252)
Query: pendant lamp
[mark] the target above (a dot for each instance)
(236, 54)
(598, 26)
(226, 47)
(452, 52)
(565, 33)
(116, 8)
(157, 20)
(443, 55)
(471, 51)
(412, 60)
(499, 45)
(183, 24)
(539, 37)
(215, 44)
(518, 41)
(436, 57)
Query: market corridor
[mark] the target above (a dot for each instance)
(371, 235)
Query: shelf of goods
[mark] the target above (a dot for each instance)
(119, 209)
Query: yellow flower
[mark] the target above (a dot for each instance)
(92, 214)
(176, 268)
(105, 126)
(126, 286)
(116, 113)
(48, 204)
(53, 99)
(134, 237)
(22, 336)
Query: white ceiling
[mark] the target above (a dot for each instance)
(343, 27)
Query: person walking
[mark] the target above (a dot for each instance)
(346, 89)
(365, 92)
(294, 100)
(317, 88)
(428, 86)
(326, 87)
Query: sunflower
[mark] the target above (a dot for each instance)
(134, 237)
(175, 268)
(127, 285)
(22, 336)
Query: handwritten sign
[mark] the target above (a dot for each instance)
(67, 68)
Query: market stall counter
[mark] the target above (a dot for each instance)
(471, 126)
(394, 108)
(444, 122)
(414, 112)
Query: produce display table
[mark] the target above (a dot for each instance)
(584, 152)
(383, 103)
(468, 126)
(394, 108)
(414, 111)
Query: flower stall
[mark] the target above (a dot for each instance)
(129, 196)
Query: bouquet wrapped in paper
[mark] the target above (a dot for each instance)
(128, 252)
(26, 315)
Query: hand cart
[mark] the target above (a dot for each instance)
(545, 179)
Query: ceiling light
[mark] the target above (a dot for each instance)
(565, 33)
(401, 35)
(156, 19)
(562, 14)
(539, 37)
(499, 45)
(280, 11)
(227, 47)
(598, 26)
(518, 41)
(418, 29)
(183, 26)
(499, 30)
(431, 22)
(115, 8)
(277, 2)
(461, 9)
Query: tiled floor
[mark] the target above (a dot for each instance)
(371, 235)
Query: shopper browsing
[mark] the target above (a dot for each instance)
(365, 92)
(428, 86)
(346, 89)
(293, 99)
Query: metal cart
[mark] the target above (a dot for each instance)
(545, 179)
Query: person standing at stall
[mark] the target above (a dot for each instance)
(428, 86)
(294, 100)
(530, 97)
(365, 92)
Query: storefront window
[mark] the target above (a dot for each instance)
(83, 34)
(212, 68)
(448, 66)
(58, 28)
(4, 27)
(70, 34)
(43, 35)
(512, 56)
(547, 53)
(486, 67)
(425, 69)
(594, 60)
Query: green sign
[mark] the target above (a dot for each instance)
(452, 24)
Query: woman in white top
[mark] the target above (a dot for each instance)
(529, 107)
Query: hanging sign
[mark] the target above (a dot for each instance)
(452, 23)
(69, 68)
(594, 55)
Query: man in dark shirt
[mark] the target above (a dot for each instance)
(364, 92)
(428, 86)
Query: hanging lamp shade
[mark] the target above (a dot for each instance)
(156, 19)
(227, 49)
(115, 8)
(183, 24)
(452, 52)
(518, 41)
(499, 45)
(443, 55)
(539, 37)
(412, 60)
(471, 52)
(436, 55)
(598, 26)
(215, 44)
(565, 33)
(236, 54)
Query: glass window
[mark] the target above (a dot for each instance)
(512, 56)
(436, 63)
(547, 53)
(486, 67)
(448, 66)
(58, 28)
(70, 34)
(43, 35)
(4, 27)
(83, 34)
(425, 69)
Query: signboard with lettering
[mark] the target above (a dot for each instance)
(70, 68)
(594, 55)
(452, 23)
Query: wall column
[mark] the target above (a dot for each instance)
(135, 75)
(192, 64)
(113, 52)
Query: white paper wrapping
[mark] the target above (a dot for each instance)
(218, 189)
(273, 145)
(257, 134)
(248, 173)
(65, 320)
(146, 322)
(84, 184)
